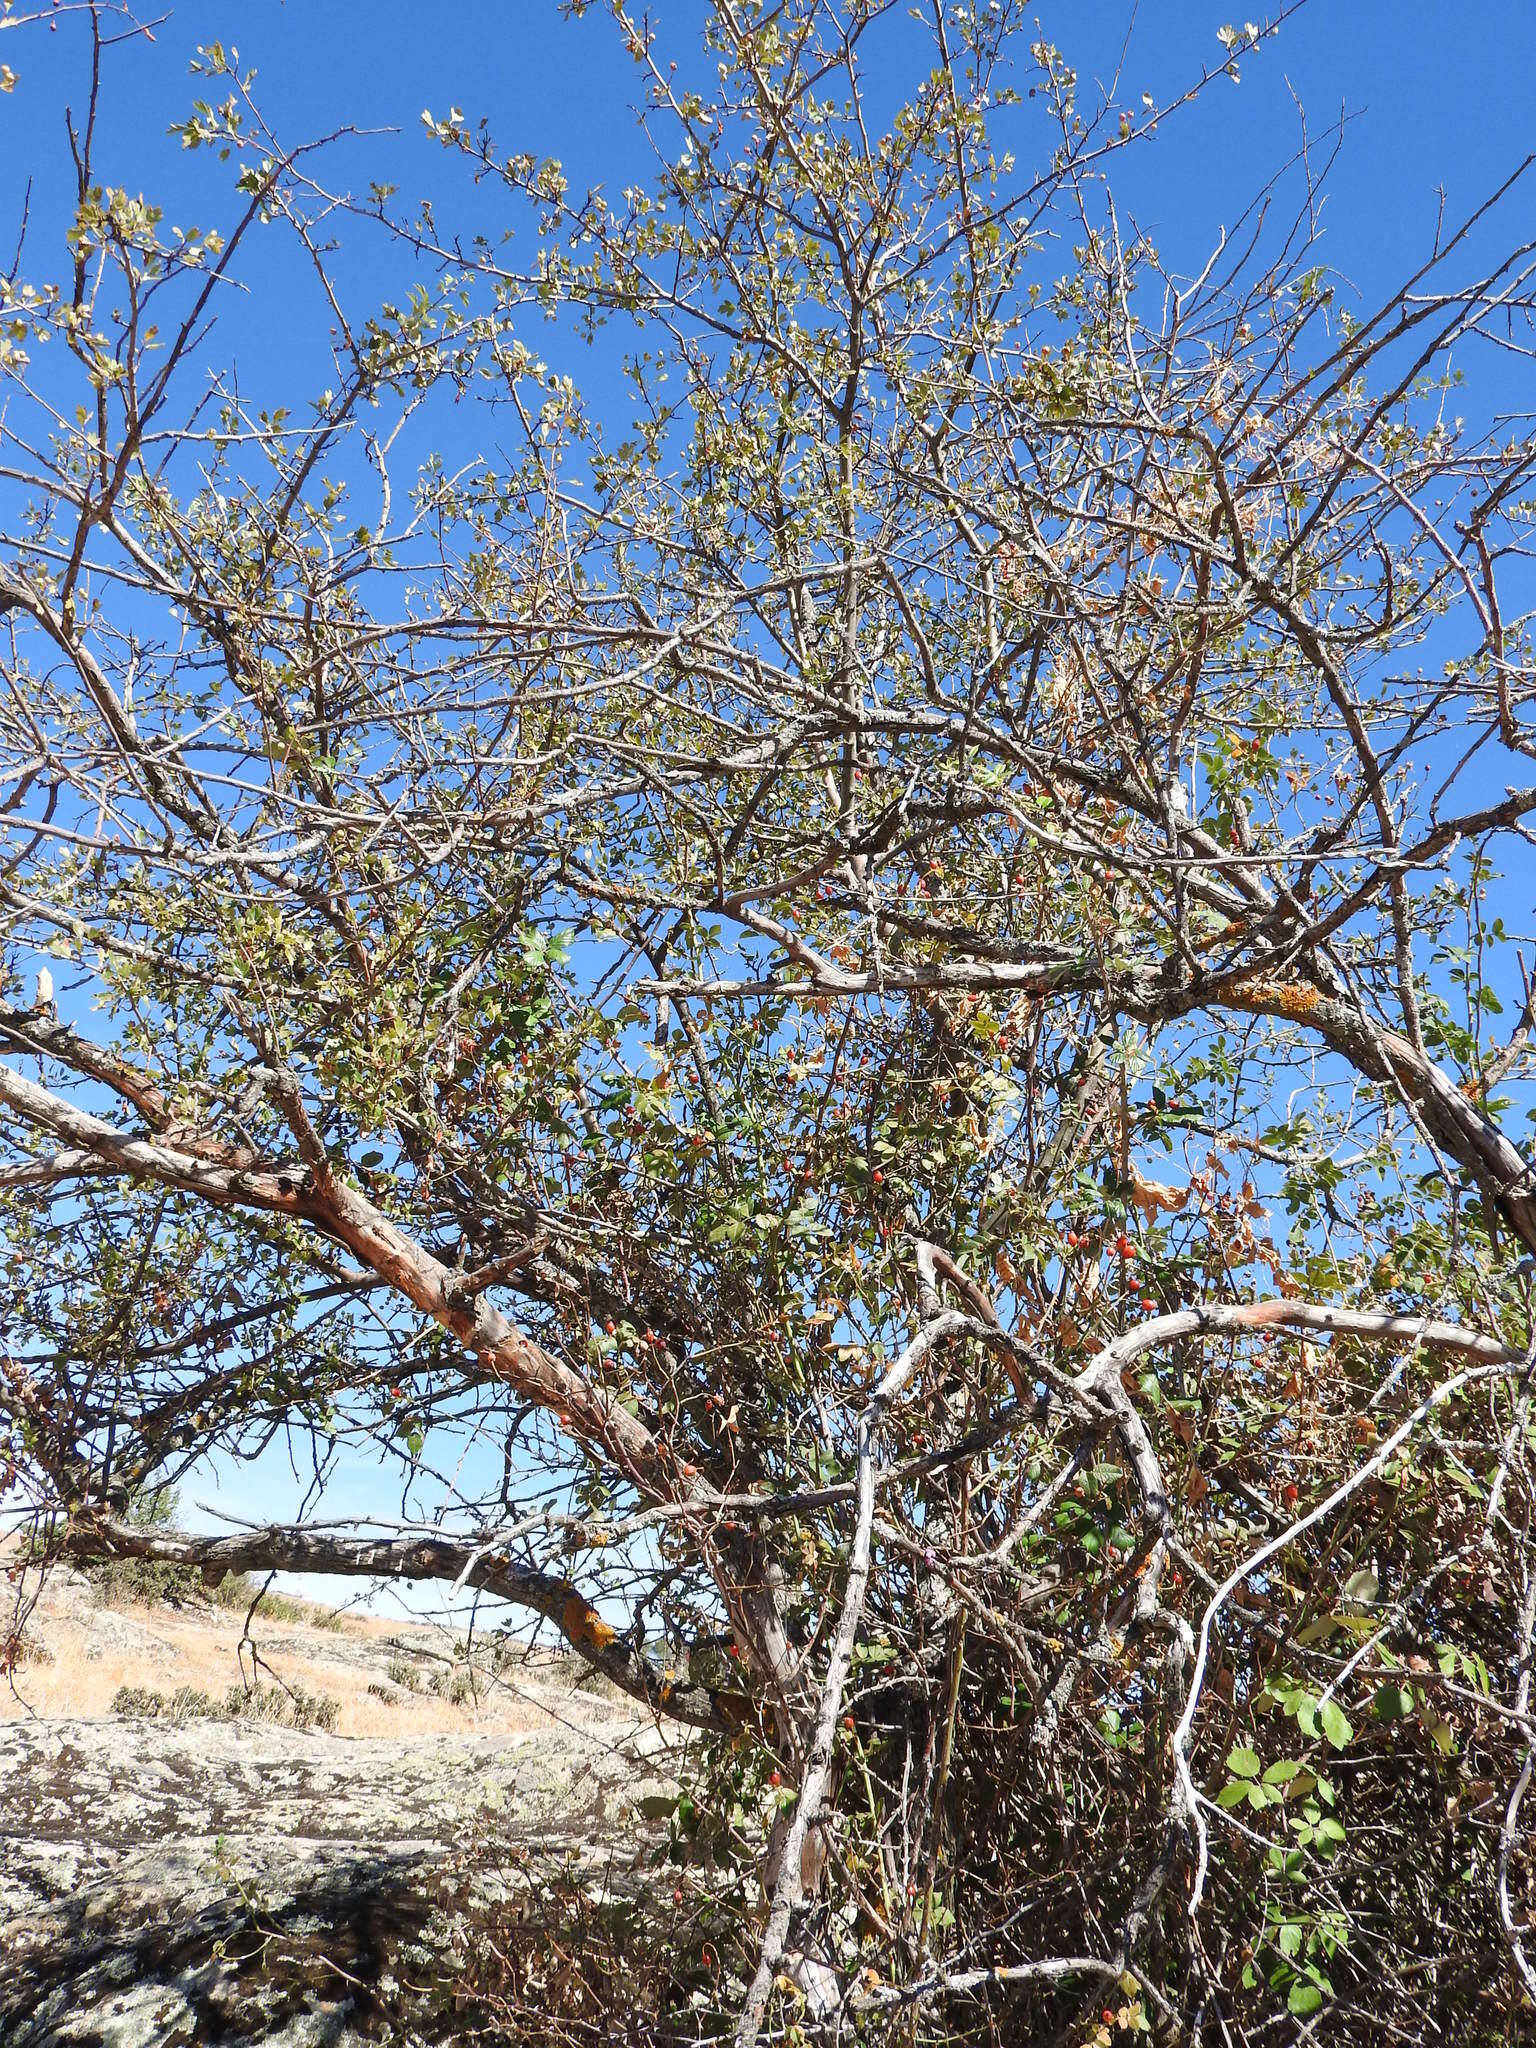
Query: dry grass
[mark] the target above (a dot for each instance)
(81, 1655)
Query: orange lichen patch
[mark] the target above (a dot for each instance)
(583, 1627)
(1267, 998)
(1207, 942)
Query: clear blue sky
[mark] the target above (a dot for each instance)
(1440, 95)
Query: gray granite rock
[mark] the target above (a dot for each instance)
(253, 1884)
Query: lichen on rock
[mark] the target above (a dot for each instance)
(250, 1883)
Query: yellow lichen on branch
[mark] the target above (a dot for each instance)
(1269, 998)
(583, 1627)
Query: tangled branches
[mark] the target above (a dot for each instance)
(854, 1016)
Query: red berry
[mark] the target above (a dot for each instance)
(775, 1778)
(849, 1723)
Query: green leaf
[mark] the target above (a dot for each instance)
(1335, 1723)
(1243, 1763)
(1304, 1998)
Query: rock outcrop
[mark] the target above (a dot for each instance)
(243, 1884)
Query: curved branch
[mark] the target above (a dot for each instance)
(281, 1547)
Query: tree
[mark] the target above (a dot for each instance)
(855, 999)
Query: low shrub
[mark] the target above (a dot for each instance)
(284, 1706)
